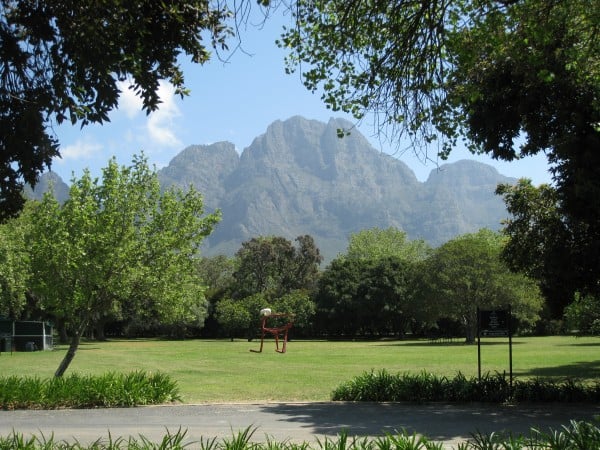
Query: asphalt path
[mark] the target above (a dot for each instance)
(292, 422)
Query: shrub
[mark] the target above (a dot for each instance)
(382, 386)
(78, 391)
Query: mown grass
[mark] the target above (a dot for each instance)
(224, 371)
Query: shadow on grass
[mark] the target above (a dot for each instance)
(439, 422)
(457, 342)
(581, 344)
(582, 369)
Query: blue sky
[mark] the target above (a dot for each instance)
(230, 101)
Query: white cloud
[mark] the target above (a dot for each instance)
(82, 149)
(159, 128)
(161, 124)
(129, 102)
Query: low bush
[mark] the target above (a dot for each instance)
(576, 435)
(79, 391)
(381, 386)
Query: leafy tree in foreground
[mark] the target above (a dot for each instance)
(512, 78)
(62, 61)
(546, 245)
(14, 268)
(467, 272)
(117, 244)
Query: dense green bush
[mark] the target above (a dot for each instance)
(79, 391)
(576, 435)
(382, 386)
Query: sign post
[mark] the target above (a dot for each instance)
(494, 323)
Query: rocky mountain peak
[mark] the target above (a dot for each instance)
(300, 178)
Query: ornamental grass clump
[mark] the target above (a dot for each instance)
(86, 391)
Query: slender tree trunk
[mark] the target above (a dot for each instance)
(73, 346)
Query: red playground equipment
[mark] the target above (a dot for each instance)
(283, 322)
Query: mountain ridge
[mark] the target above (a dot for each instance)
(299, 177)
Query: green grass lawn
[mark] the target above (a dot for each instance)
(224, 371)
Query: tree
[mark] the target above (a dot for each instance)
(240, 317)
(118, 244)
(217, 272)
(235, 317)
(544, 244)
(64, 61)
(377, 243)
(583, 315)
(366, 296)
(510, 78)
(338, 311)
(273, 266)
(467, 272)
(300, 304)
(14, 268)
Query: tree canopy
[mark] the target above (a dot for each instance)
(509, 78)
(377, 243)
(15, 273)
(63, 61)
(273, 266)
(467, 272)
(117, 243)
(547, 245)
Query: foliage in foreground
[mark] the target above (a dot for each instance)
(576, 435)
(382, 386)
(80, 391)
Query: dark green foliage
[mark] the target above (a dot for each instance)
(382, 386)
(50, 75)
(79, 391)
(545, 244)
(273, 266)
(360, 296)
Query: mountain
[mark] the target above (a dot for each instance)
(47, 181)
(300, 178)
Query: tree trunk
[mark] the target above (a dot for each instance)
(99, 329)
(471, 333)
(63, 336)
(66, 361)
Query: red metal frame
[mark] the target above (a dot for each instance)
(276, 331)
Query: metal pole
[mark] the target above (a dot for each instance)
(510, 346)
(478, 344)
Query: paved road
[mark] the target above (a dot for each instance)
(295, 422)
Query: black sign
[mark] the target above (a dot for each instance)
(494, 323)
